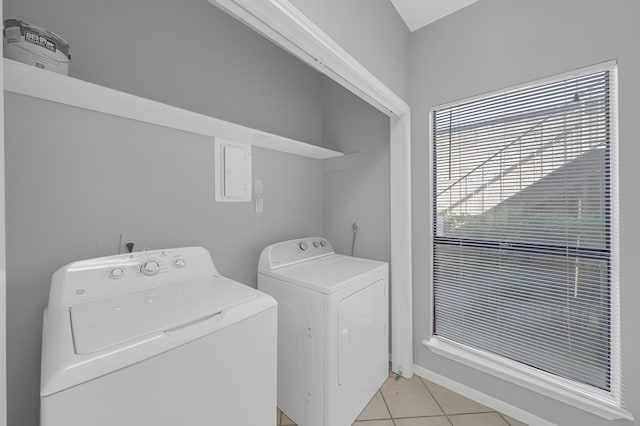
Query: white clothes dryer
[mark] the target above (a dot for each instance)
(157, 338)
(333, 348)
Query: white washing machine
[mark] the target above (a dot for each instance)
(157, 338)
(333, 348)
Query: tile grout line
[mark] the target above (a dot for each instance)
(505, 420)
(432, 415)
(452, 414)
(386, 405)
(434, 398)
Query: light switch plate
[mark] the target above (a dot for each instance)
(257, 186)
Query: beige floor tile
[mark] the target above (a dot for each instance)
(374, 423)
(285, 420)
(453, 403)
(278, 414)
(409, 398)
(375, 410)
(512, 421)
(423, 421)
(484, 419)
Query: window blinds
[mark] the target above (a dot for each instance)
(522, 226)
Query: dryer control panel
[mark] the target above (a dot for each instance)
(88, 280)
(293, 251)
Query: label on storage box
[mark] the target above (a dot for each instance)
(40, 40)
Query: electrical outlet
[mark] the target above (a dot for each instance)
(259, 204)
(126, 238)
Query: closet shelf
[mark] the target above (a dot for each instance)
(31, 81)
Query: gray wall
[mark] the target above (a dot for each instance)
(70, 195)
(77, 179)
(188, 54)
(495, 44)
(356, 186)
(372, 31)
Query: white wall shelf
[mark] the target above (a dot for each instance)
(31, 81)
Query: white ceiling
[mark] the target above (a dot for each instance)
(418, 13)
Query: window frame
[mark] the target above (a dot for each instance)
(607, 404)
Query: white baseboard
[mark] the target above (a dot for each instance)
(482, 398)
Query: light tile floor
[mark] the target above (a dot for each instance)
(419, 402)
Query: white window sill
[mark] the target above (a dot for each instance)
(585, 397)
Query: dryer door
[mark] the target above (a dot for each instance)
(363, 346)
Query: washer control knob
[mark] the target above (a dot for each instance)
(179, 263)
(322, 243)
(150, 267)
(316, 244)
(116, 273)
(303, 246)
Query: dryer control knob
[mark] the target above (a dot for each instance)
(322, 243)
(116, 273)
(179, 263)
(316, 244)
(150, 268)
(303, 246)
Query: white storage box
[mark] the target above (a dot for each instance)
(26, 43)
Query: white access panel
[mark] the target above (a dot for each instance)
(234, 179)
(232, 171)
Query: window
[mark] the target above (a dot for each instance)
(524, 212)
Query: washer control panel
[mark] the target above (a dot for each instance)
(290, 252)
(148, 266)
(109, 276)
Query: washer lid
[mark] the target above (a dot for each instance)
(106, 322)
(327, 274)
